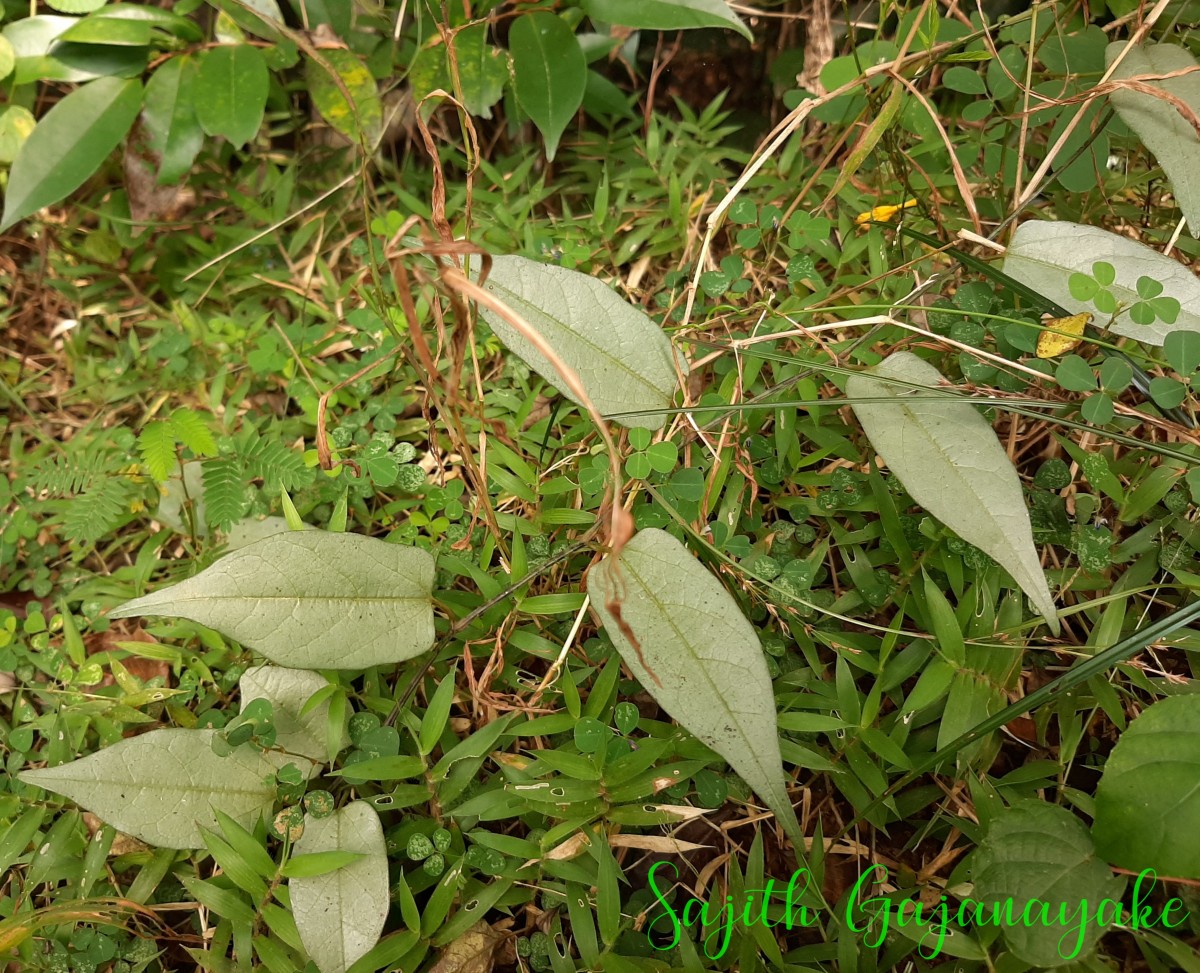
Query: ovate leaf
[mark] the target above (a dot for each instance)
(549, 73)
(310, 599)
(711, 672)
(482, 70)
(340, 914)
(1036, 850)
(1158, 123)
(361, 119)
(69, 144)
(296, 732)
(170, 117)
(1045, 253)
(949, 460)
(230, 92)
(165, 785)
(666, 14)
(623, 359)
(1148, 798)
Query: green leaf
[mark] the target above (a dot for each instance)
(482, 70)
(1158, 123)
(69, 144)
(361, 118)
(224, 492)
(711, 672)
(319, 862)
(1036, 850)
(623, 358)
(1182, 350)
(297, 732)
(8, 58)
(230, 92)
(75, 6)
(16, 125)
(157, 447)
(1167, 393)
(1074, 374)
(964, 80)
(1098, 410)
(115, 31)
(191, 430)
(666, 14)
(165, 785)
(1044, 253)
(310, 599)
(340, 914)
(1147, 796)
(170, 119)
(549, 73)
(950, 461)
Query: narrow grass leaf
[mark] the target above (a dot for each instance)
(949, 459)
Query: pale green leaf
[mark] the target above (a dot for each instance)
(949, 459)
(340, 914)
(69, 144)
(482, 70)
(623, 359)
(1036, 850)
(1158, 123)
(183, 506)
(165, 785)
(1148, 801)
(8, 58)
(310, 599)
(319, 863)
(296, 732)
(16, 125)
(712, 674)
(1045, 253)
(75, 6)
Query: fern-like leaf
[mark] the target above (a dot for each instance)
(275, 464)
(70, 473)
(224, 492)
(93, 514)
(157, 446)
(191, 430)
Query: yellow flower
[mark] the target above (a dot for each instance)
(881, 214)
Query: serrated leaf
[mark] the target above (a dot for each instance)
(623, 359)
(340, 915)
(549, 73)
(230, 92)
(156, 445)
(1147, 799)
(165, 785)
(1045, 253)
(191, 430)
(1036, 850)
(712, 674)
(310, 599)
(69, 143)
(1159, 123)
(949, 459)
(296, 732)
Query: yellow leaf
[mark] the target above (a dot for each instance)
(1061, 334)
(881, 214)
